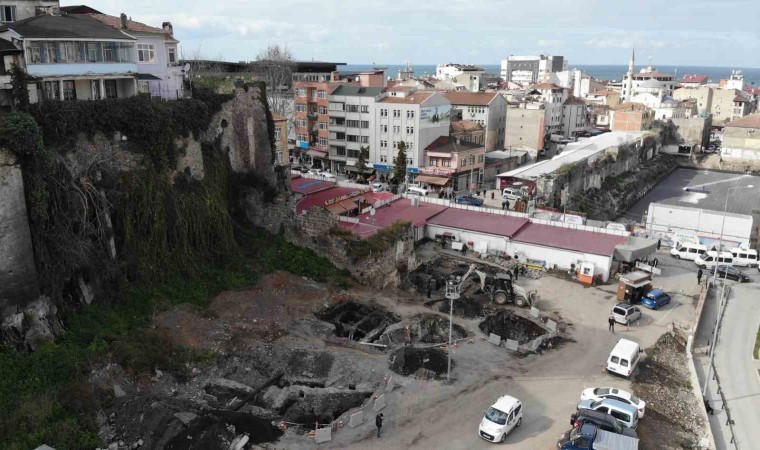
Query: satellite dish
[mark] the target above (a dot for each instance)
(372, 212)
(186, 67)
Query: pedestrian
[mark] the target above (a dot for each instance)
(659, 243)
(504, 204)
(464, 249)
(507, 204)
(708, 408)
(492, 195)
(699, 276)
(443, 243)
(517, 271)
(408, 334)
(379, 423)
(611, 321)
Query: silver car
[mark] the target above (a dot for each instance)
(626, 313)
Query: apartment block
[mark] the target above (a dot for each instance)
(351, 125)
(489, 109)
(530, 69)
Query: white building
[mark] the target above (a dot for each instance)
(15, 10)
(351, 125)
(577, 81)
(530, 69)
(576, 117)
(647, 81)
(486, 108)
(416, 118)
(553, 98)
(451, 70)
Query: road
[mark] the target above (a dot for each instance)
(737, 369)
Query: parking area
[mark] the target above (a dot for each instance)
(548, 384)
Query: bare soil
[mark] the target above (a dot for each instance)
(509, 325)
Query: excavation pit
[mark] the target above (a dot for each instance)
(424, 329)
(358, 322)
(467, 307)
(509, 325)
(409, 360)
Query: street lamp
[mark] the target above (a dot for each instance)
(722, 225)
(452, 293)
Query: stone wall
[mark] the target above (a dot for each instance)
(18, 276)
(694, 130)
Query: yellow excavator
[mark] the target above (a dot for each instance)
(500, 287)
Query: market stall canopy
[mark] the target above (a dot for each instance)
(635, 248)
(429, 179)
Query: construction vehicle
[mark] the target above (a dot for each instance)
(500, 288)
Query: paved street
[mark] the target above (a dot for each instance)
(737, 369)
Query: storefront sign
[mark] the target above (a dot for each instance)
(382, 166)
(437, 171)
(412, 170)
(303, 144)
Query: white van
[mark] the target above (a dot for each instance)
(687, 250)
(708, 260)
(501, 418)
(415, 190)
(512, 194)
(744, 257)
(624, 357)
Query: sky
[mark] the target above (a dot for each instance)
(675, 32)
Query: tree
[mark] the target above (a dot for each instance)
(274, 66)
(399, 164)
(361, 163)
(202, 67)
(20, 88)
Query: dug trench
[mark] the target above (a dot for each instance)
(509, 325)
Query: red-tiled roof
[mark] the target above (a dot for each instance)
(630, 106)
(304, 185)
(318, 199)
(470, 98)
(694, 78)
(402, 209)
(569, 239)
(138, 27)
(751, 121)
(752, 90)
(740, 99)
(571, 100)
(479, 222)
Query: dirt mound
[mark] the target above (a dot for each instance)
(408, 360)
(357, 321)
(664, 382)
(508, 325)
(218, 429)
(469, 308)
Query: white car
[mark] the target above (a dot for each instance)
(328, 176)
(501, 418)
(314, 172)
(620, 395)
(379, 187)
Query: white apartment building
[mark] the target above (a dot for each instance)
(577, 81)
(554, 98)
(452, 70)
(530, 69)
(416, 118)
(486, 108)
(575, 117)
(351, 125)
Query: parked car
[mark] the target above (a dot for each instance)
(615, 394)
(328, 176)
(601, 419)
(655, 298)
(626, 313)
(711, 259)
(626, 415)
(314, 172)
(470, 200)
(731, 273)
(379, 187)
(512, 194)
(501, 418)
(624, 357)
(590, 437)
(687, 250)
(744, 257)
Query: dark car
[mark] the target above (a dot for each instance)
(470, 200)
(731, 273)
(603, 420)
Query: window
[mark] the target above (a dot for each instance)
(301, 92)
(480, 158)
(365, 108)
(69, 91)
(323, 142)
(364, 139)
(322, 125)
(621, 416)
(322, 110)
(321, 94)
(409, 130)
(383, 113)
(277, 133)
(352, 123)
(146, 53)
(409, 161)
(300, 108)
(336, 106)
(301, 137)
(410, 114)
(383, 158)
(340, 151)
(34, 53)
(396, 113)
(338, 121)
(352, 108)
(352, 138)
(7, 13)
(383, 128)
(111, 91)
(51, 90)
(365, 124)
(142, 87)
(383, 144)
(396, 129)
(353, 153)
(172, 55)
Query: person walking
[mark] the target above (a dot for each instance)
(407, 336)
(708, 408)
(699, 276)
(464, 249)
(611, 321)
(492, 195)
(516, 271)
(504, 204)
(659, 243)
(379, 423)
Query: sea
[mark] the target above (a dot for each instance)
(600, 72)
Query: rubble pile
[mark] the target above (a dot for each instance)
(673, 410)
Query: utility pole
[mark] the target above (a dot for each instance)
(722, 226)
(452, 293)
